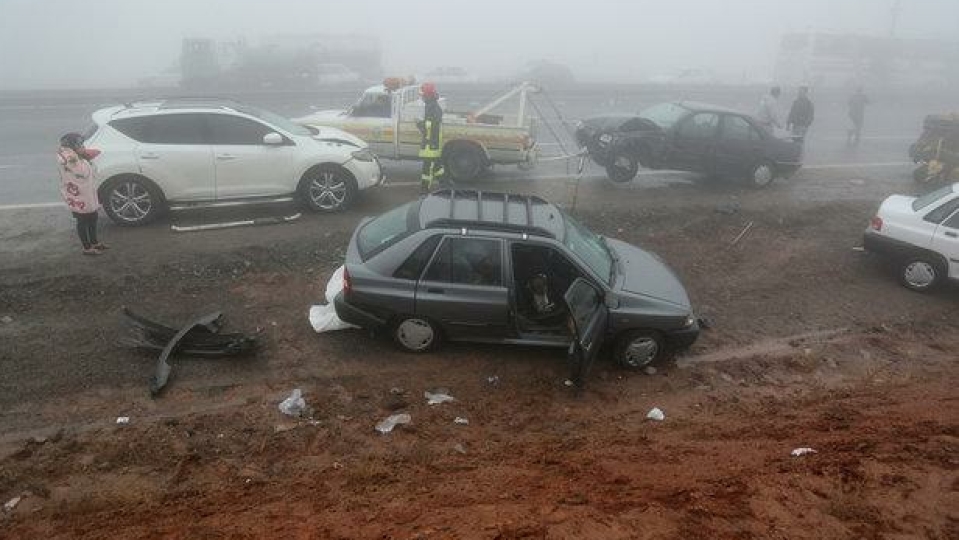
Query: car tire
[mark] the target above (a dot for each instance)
(327, 188)
(416, 334)
(622, 167)
(640, 348)
(132, 200)
(762, 174)
(920, 273)
(463, 162)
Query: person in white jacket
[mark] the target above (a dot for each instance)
(768, 114)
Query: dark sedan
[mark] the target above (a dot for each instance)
(689, 136)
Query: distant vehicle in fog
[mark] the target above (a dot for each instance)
(689, 136)
(548, 74)
(690, 77)
(334, 74)
(449, 75)
(195, 151)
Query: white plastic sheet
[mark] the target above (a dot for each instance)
(323, 317)
(294, 405)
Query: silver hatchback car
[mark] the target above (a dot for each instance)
(466, 265)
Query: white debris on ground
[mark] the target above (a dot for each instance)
(802, 451)
(438, 396)
(11, 504)
(323, 318)
(294, 405)
(461, 421)
(656, 414)
(123, 420)
(390, 422)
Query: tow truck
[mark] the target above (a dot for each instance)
(385, 117)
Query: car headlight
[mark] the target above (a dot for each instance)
(364, 154)
(690, 320)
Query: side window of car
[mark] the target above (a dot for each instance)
(174, 129)
(229, 129)
(700, 126)
(736, 128)
(943, 211)
(413, 266)
(952, 222)
(468, 261)
(131, 127)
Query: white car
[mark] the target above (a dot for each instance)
(921, 234)
(188, 152)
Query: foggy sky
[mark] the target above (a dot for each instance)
(100, 43)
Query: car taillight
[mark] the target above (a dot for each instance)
(876, 223)
(347, 287)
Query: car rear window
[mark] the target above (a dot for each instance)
(931, 197)
(387, 229)
(131, 127)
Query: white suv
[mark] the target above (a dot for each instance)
(191, 152)
(921, 234)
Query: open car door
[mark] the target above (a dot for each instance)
(588, 316)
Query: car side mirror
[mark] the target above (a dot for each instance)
(273, 139)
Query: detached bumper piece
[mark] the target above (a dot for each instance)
(201, 337)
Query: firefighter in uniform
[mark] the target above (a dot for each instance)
(431, 145)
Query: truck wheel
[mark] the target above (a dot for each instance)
(921, 173)
(920, 273)
(464, 162)
(622, 167)
(327, 188)
(132, 200)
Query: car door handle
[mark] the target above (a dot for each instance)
(951, 234)
(435, 290)
(225, 157)
(149, 156)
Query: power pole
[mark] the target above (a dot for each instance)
(894, 17)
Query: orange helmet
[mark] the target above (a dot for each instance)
(428, 90)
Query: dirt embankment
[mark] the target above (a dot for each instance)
(813, 345)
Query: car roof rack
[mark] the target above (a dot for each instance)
(488, 226)
(182, 102)
(487, 210)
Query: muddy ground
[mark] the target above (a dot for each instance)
(813, 344)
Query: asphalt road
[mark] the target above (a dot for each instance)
(31, 123)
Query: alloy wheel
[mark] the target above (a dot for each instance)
(131, 201)
(327, 190)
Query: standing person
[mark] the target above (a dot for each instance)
(857, 113)
(768, 114)
(78, 188)
(801, 114)
(431, 145)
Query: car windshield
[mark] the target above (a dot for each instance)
(383, 231)
(664, 114)
(589, 247)
(275, 120)
(931, 197)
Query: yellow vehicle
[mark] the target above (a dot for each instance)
(386, 119)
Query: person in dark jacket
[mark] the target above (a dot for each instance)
(431, 145)
(857, 114)
(801, 114)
